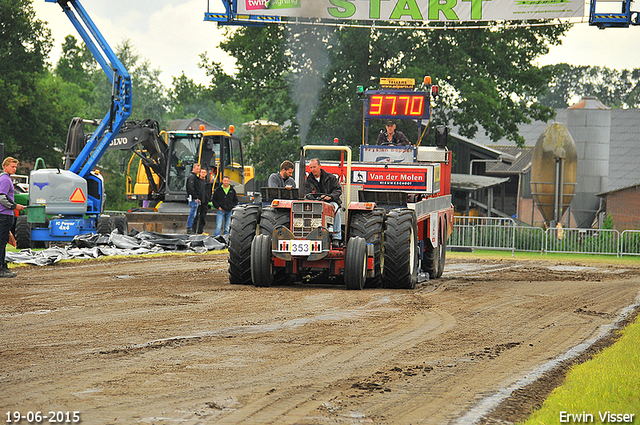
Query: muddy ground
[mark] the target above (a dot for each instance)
(168, 340)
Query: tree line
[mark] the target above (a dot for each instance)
(301, 77)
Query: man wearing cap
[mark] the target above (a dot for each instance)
(391, 137)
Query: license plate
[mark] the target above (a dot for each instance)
(295, 247)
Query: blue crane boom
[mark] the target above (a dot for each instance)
(67, 203)
(121, 96)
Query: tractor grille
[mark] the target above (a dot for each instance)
(306, 217)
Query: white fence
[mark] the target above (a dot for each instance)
(505, 234)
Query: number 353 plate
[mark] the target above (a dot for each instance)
(295, 247)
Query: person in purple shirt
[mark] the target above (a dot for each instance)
(8, 207)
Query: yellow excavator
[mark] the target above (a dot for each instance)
(164, 161)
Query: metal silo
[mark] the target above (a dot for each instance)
(553, 172)
(589, 122)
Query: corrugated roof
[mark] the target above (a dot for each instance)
(471, 183)
(520, 165)
(634, 185)
(492, 151)
(624, 153)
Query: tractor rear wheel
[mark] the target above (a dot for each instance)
(261, 264)
(244, 222)
(401, 250)
(272, 218)
(435, 257)
(355, 263)
(369, 225)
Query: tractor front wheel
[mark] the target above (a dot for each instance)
(261, 264)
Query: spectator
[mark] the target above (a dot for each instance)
(283, 178)
(204, 202)
(8, 207)
(194, 193)
(224, 199)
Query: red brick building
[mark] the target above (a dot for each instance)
(623, 205)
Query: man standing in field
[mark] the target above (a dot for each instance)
(8, 208)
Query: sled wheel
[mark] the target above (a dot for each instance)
(355, 263)
(401, 250)
(370, 226)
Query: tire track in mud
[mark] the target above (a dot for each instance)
(328, 369)
(174, 342)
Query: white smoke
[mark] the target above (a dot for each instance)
(309, 46)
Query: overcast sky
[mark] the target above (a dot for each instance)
(172, 33)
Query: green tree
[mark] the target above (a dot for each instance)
(615, 88)
(190, 100)
(263, 70)
(76, 64)
(267, 147)
(29, 104)
(487, 74)
(149, 94)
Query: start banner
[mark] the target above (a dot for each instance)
(416, 10)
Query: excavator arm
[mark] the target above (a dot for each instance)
(144, 139)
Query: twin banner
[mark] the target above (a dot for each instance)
(416, 10)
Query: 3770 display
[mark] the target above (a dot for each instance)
(396, 105)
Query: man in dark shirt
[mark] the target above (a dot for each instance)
(391, 137)
(319, 181)
(194, 193)
(283, 178)
(205, 187)
(224, 199)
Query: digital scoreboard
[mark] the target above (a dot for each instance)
(396, 105)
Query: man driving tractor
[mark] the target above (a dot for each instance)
(326, 188)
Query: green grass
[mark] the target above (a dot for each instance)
(610, 382)
(629, 260)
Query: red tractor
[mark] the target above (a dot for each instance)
(395, 226)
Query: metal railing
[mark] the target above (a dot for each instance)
(505, 234)
(630, 242)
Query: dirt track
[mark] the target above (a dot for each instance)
(168, 340)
